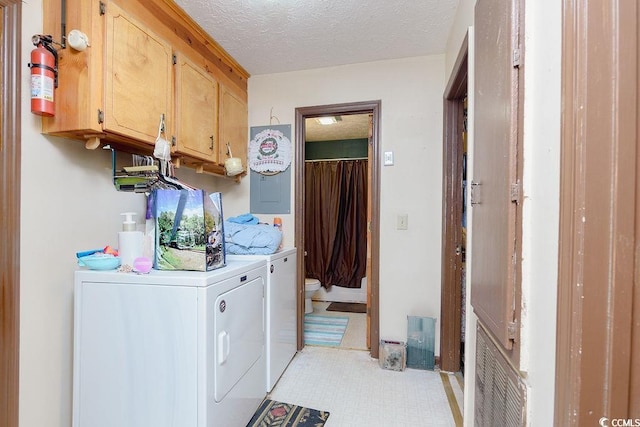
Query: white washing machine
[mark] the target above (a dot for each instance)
(169, 348)
(280, 305)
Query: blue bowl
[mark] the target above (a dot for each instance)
(99, 262)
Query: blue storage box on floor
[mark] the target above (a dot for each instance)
(421, 337)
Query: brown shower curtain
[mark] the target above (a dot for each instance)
(336, 221)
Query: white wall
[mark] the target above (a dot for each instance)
(543, 43)
(462, 20)
(410, 91)
(68, 204)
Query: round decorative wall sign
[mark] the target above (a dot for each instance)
(269, 151)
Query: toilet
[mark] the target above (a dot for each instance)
(310, 287)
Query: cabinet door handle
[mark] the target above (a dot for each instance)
(211, 146)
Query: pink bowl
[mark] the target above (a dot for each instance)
(142, 264)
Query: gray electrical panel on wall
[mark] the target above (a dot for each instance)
(270, 193)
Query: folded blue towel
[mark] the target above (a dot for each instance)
(243, 239)
(244, 219)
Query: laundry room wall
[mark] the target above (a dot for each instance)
(462, 20)
(68, 204)
(410, 91)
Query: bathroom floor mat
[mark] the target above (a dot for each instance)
(324, 330)
(273, 413)
(348, 307)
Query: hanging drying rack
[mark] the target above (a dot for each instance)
(143, 175)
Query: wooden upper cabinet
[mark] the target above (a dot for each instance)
(79, 96)
(139, 76)
(117, 89)
(196, 111)
(234, 127)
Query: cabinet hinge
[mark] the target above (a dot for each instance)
(100, 116)
(102, 8)
(474, 193)
(173, 141)
(515, 192)
(516, 58)
(174, 59)
(512, 329)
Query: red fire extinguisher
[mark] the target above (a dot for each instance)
(44, 75)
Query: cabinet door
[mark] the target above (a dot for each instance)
(495, 188)
(234, 126)
(138, 77)
(196, 111)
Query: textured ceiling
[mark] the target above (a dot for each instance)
(349, 127)
(272, 36)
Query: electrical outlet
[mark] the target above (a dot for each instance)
(403, 222)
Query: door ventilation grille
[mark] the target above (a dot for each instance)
(500, 398)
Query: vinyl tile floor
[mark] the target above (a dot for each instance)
(356, 391)
(352, 387)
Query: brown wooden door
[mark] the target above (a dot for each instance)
(598, 318)
(453, 240)
(494, 187)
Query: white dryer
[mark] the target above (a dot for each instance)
(280, 310)
(169, 348)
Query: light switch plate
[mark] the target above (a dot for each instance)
(388, 158)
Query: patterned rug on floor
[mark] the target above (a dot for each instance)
(272, 413)
(324, 330)
(348, 307)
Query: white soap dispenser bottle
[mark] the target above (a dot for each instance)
(129, 240)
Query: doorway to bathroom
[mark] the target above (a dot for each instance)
(315, 151)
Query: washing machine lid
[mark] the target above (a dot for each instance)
(284, 252)
(199, 279)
